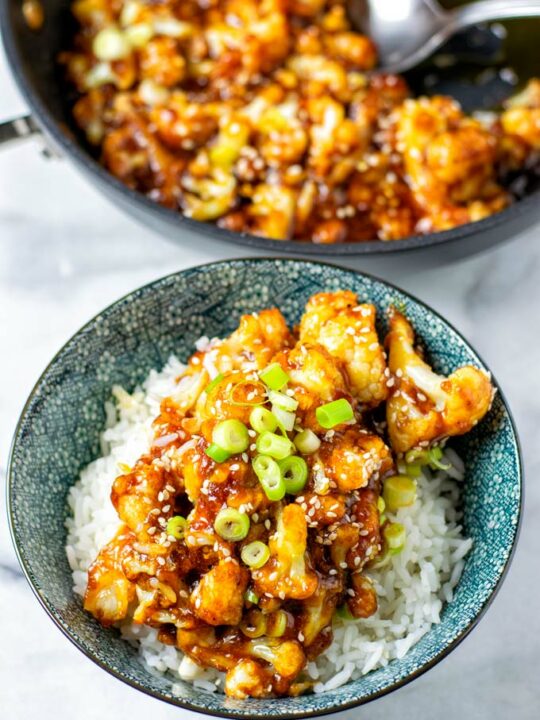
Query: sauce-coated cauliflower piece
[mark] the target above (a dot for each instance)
(364, 601)
(317, 611)
(522, 118)
(248, 678)
(287, 573)
(250, 347)
(352, 459)
(109, 592)
(425, 406)
(218, 599)
(316, 378)
(347, 331)
(356, 543)
(450, 161)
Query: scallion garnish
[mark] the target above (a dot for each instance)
(231, 524)
(251, 596)
(274, 445)
(284, 419)
(176, 527)
(334, 413)
(262, 420)
(269, 474)
(395, 537)
(282, 401)
(255, 555)
(213, 383)
(231, 435)
(294, 472)
(307, 442)
(399, 491)
(277, 624)
(218, 454)
(274, 377)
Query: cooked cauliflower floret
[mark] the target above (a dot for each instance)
(347, 330)
(109, 592)
(218, 599)
(364, 601)
(354, 458)
(424, 406)
(251, 346)
(522, 118)
(317, 611)
(316, 378)
(287, 573)
(248, 678)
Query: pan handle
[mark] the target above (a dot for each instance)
(20, 129)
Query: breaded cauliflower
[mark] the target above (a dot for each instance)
(218, 599)
(424, 406)
(347, 330)
(109, 592)
(522, 118)
(287, 573)
(352, 459)
(251, 347)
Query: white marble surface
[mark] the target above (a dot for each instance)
(64, 254)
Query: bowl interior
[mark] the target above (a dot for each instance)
(59, 433)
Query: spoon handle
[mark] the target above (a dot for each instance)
(486, 10)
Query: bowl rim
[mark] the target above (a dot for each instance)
(64, 138)
(187, 704)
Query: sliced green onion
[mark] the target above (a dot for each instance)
(253, 624)
(277, 624)
(262, 420)
(435, 457)
(176, 527)
(413, 470)
(255, 555)
(307, 442)
(258, 389)
(251, 596)
(294, 472)
(395, 537)
(274, 445)
(231, 435)
(218, 454)
(430, 457)
(269, 474)
(284, 419)
(231, 524)
(334, 413)
(344, 613)
(381, 505)
(280, 400)
(399, 491)
(213, 383)
(274, 377)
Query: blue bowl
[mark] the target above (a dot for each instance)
(58, 434)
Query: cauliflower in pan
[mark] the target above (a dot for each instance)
(257, 512)
(425, 407)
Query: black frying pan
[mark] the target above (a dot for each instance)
(474, 80)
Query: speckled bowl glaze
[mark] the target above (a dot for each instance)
(59, 430)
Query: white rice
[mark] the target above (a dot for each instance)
(411, 589)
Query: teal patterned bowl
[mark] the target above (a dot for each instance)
(59, 430)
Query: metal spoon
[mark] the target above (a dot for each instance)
(408, 31)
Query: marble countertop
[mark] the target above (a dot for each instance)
(65, 253)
